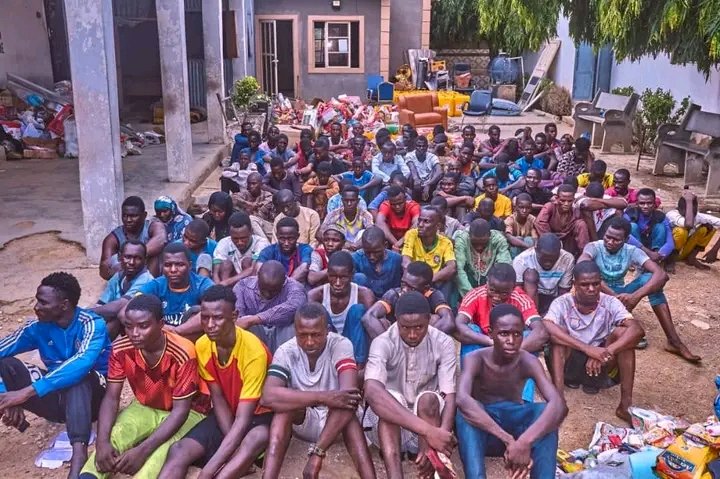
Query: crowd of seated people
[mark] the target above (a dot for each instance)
(326, 292)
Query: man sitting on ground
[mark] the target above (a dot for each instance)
(234, 254)
(503, 205)
(179, 289)
(266, 304)
(410, 387)
(520, 230)
(425, 169)
(360, 177)
(449, 225)
(545, 271)
(506, 178)
(234, 364)
(312, 387)
(621, 188)
(466, 183)
(566, 222)
(598, 172)
(396, 216)
(486, 211)
(650, 229)
(295, 257)
(614, 256)
(476, 251)
(592, 333)
(597, 209)
(417, 277)
(376, 267)
(333, 240)
(426, 244)
(396, 179)
(387, 162)
(448, 189)
(352, 219)
(73, 345)
(258, 203)
(540, 196)
(135, 226)
(335, 202)
(693, 231)
(167, 399)
(307, 219)
(493, 418)
(345, 303)
(319, 188)
(200, 245)
(473, 320)
(280, 179)
(132, 277)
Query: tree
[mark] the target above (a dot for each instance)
(687, 30)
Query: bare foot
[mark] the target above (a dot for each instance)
(682, 351)
(670, 265)
(622, 413)
(696, 263)
(79, 458)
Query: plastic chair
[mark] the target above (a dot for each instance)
(373, 81)
(480, 104)
(385, 92)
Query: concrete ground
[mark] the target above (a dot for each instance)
(38, 196)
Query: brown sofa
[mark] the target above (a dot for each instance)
(422, 110)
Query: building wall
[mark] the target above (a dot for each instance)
(24, 44)
(681, 80)
(647, 72)
(405, 30)
(325, 85)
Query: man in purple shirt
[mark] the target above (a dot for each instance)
(650, 229)
(266, 304)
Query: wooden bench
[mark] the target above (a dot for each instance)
(610, 119)
(675, 145)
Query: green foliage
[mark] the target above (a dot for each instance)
(656, 107)
(454, 24)
(687, 30)
(246, 93)
(623, 90)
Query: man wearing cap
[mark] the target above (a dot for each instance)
(410, 387)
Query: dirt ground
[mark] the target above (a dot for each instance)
(663, 382)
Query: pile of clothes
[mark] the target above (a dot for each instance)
(656, 446)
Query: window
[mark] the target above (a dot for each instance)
(336, 44)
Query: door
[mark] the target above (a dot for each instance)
(268, 56)
(285, 64)
(584, 78)
(604, 69)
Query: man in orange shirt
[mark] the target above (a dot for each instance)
(234, 363)
(161, 368)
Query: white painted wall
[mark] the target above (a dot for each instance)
(25, 48)
(681, 80)
(647, 72)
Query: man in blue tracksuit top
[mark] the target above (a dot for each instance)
(74, 346)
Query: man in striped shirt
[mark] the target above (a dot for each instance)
(312, 386)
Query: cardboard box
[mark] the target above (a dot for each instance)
(43, 154)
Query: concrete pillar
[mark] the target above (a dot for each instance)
(214, 77)
(240, 64)
(176, 101)
(92, 64)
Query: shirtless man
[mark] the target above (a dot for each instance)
(492, 416)
(135, 226)
(345, 303)
(312, 386)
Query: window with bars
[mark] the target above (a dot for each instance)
(336, 44)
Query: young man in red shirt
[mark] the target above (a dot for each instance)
(161, 368)
(396, 216)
